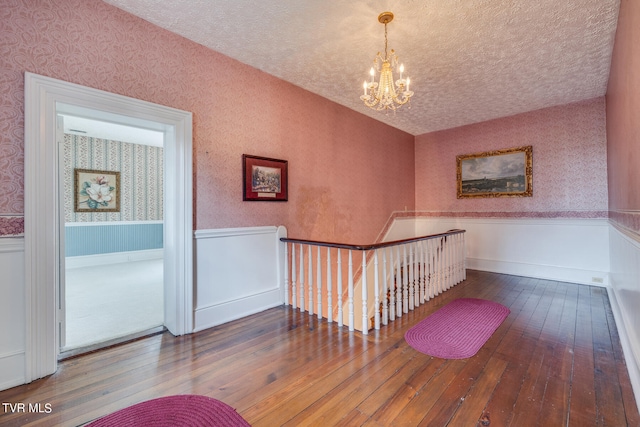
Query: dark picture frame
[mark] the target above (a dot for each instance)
(264, 179)
(96, 190)
(498, 173)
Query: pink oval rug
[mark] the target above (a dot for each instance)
(175, 411)
(458, 330)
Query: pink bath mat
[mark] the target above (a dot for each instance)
(458, 330)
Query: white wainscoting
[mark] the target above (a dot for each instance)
(239, 272)
(624, 294)
(567, 250)
(12, 313)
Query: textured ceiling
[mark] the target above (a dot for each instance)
(468, 60)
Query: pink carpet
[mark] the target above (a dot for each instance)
(174, 411)
(458, 330)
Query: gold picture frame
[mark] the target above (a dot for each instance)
(96, 190)
(498, 173)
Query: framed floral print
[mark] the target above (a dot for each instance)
(96, 191)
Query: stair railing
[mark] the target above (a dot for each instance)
(406, 273)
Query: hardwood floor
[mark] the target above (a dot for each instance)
(555, 361)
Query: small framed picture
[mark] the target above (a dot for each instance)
(264, 179)
(500, 173)
(96, 191)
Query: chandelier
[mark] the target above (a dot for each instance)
(386, 94)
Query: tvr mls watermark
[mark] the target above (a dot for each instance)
(40, 408)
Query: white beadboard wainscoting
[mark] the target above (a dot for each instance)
(567, 250)
(624, 294)
(104, 237)
(239, 271)
(12, 313)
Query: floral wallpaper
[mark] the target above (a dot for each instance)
(569, 164)
(141, 177)
(347, 172)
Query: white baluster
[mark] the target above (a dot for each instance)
(398, 283)
(421, 269)
(365, 296)
(302, 307)
(329, 288)
(412, 277)
(310, 286)
(445, 247)
(456, 259)
(425, 255)
(376, 289)
(405, 281)
(440, 287)
(447, 261)
(464, 257)
(416, 275)
(432, 270)
(319, 284)
(452, 262)
(350, 292)
(339, 290)
(286, 273)
(385, 289)
(436, 262)
(293, 276)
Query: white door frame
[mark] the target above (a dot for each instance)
(43, 96)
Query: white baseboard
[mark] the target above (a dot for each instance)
(112, 258)
(13, 365)
(207, 317)
(548, 272)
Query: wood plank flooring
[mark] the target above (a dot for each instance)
(555, 361)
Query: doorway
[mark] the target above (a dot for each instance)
(45, 98)
(111, 286)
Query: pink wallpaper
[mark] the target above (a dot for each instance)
(623, 120)
(347, 173)
(569, 164)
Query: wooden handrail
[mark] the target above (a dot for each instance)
(370, 246)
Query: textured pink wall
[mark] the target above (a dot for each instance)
(569, 163)
(347, 173)
(623, 119)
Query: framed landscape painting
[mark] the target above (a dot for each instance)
(96, 191)
(500, 173)
(264, 179)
